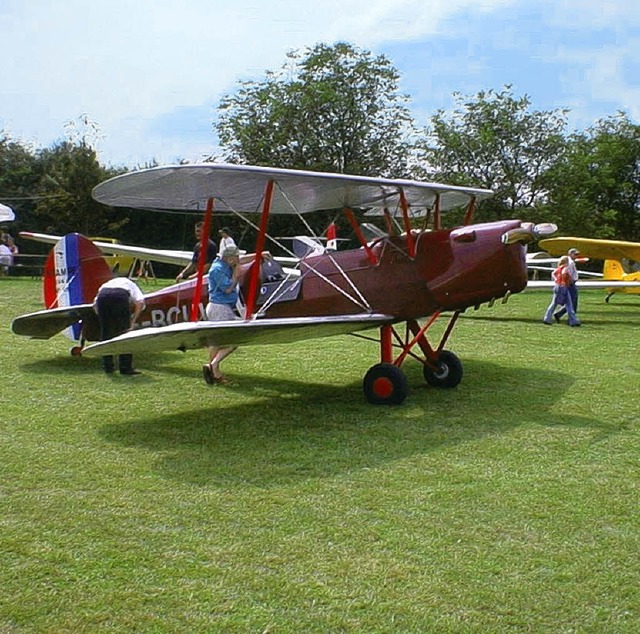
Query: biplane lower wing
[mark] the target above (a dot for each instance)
(202, 334)
(44, 324)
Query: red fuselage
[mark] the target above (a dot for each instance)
(452, 270)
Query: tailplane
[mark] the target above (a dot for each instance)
(73, 272)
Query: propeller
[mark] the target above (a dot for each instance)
(528, 232)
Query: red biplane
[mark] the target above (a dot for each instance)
(391, 283)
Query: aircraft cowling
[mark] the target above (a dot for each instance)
(472, 264)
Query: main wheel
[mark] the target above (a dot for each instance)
(385, 384)
(449, 372)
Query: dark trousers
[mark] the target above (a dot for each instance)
(114, 315)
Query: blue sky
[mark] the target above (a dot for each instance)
(150, 73)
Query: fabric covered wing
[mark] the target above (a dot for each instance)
(241, 188)
(593, 248)
(44, 324)
(201, 334)
(166, 256)
(587, 284)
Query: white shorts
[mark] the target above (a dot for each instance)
(220, 312)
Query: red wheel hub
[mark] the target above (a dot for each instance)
(382, 387)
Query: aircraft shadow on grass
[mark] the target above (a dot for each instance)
(83, 366)
(295, 430)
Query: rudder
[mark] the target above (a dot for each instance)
(73, 272)
(612, 270)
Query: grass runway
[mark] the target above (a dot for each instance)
(287, 504)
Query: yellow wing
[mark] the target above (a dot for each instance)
(593, 248)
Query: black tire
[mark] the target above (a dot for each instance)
(449, 373)
(385, 384)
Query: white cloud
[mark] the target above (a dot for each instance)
(135, 67)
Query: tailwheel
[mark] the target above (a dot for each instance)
(449, 372)
(76, 351)
(385, 384)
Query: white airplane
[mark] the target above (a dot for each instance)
(6, 214)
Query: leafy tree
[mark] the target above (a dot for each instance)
(18, 180)
(330, 108)
(68, 173)
(595, 189)
(494, 140)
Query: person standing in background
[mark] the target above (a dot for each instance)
(190, 270)
(561, 294)
(572, 254)
(225, 240)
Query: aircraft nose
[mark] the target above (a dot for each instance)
(528, 232)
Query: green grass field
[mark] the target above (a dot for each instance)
(287, 504)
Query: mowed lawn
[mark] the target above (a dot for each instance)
(287, 504)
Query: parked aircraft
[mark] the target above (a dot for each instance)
(621, 272)
(388, 283)
(6, 214)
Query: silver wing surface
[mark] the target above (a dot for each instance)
(260, 332)
(44, 324)
(241, 188)
(587, 284)
(6, 214)
(167, 256)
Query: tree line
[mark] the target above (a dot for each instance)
(339, 108)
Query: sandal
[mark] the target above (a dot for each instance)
(221, 380)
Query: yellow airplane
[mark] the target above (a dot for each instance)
(118, 263)
(621, 260)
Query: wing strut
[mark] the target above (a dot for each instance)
(202, 259)
(387, 220)
(411, 245)
(252, 294)
(356, 228)
(471, 207)
(436, 214)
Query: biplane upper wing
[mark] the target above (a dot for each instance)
(166, 256)
(594, 248)
(44, 324)
(201, 334)
(241, 188)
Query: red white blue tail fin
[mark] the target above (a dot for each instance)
(73, 272)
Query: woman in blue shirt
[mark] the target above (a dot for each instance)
(223, 296)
